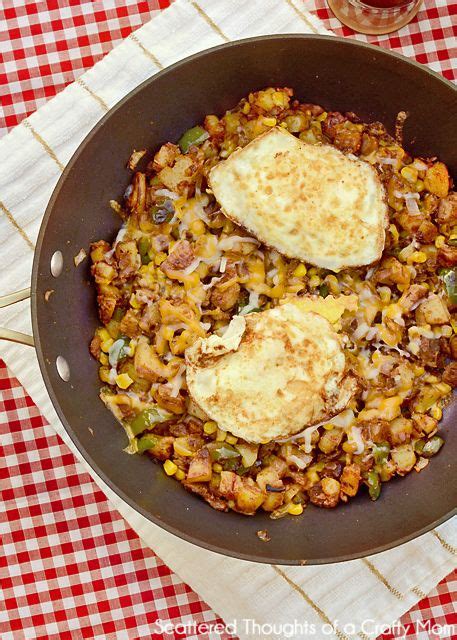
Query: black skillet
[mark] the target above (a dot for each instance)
(338, 74)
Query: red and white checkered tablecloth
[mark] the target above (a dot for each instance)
(71, 567)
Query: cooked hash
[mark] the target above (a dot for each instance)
(179, 270)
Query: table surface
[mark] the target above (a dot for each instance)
(72, 567)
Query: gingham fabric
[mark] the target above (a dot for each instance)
(46, 45)
(71, 568)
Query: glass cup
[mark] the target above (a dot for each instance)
(375, 16)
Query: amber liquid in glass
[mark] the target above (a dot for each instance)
(375, 16)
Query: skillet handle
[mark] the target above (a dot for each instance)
(9, 334)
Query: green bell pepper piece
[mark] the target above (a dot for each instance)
(381, 452)
(146, 419)
(144, 245)
(149, 441)
(118, 314)
(194, 136)
(323, 290)
(432, 446)
(449, 277)
(374, 484)
(224, 452)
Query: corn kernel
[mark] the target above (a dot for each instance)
(170, 467)
(295, 509)
(217, 468)
(300, 271)
(446, 331)
(221, 435)
(123, 380)
(385, 294)
(417, 256)
(132, 347)
(180, 475)
(103, 334)
(210, 427)
(104, 358)
(246, 108)
(313, 476)
(160, 257)
(420, 186)
(269, 122)
(314, 281)
(104, 374)
(106, 345)
(349, 447)
(440, 242)
(231, 439)
(436, 412)
(333, 284)
(329, 426)
(410, 174)
(197, 227)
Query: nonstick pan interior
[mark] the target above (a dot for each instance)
(339, 74)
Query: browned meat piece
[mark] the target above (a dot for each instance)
(149, 319)
(331, 122)
(315, 109)
(348, 138)
(447, 256)
(350, 479)
(430, 354)
(266, 450)
(447, 210)
(369, 144)
(332, 469)
(175, 404)
(129, 324)
(450, 374)
(106, 306)
(320, 499)
(392, 271)
(180, 258)
(411, 296)
(225, 298)
(409, 223)
(453, 346)
(94, 347)
(179, 429)
(165, 156)
(128, 259)
(203, 490)
(427, 232)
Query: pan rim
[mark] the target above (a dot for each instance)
(85, 454)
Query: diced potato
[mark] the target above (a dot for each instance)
(437, 180)
(268, 476)
(400, 430)
(426, 398)
(424, 423)
(404, 458)
(179, 172)
(200, 469)
(162, 448)
(350, 479)
(330, 440)
(433, 311)
(273, 501)
(249, 496)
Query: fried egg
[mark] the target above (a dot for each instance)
(271, 374)
(310, 202)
